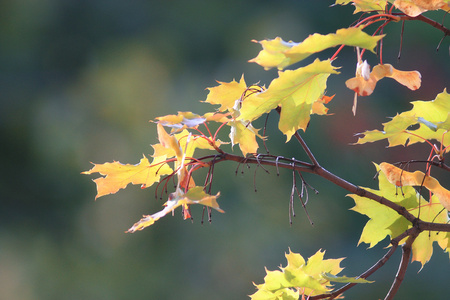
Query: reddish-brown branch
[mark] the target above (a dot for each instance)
(270, 160)
(364, 275)
(406, 254)
(429, 21)
(394, 242)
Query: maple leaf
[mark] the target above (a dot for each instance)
(118, 176)
(226, 93)
(181, 121)
(443, 125)
(184, 120)
(396, 131)
(180, 144)
(400, 177)
(280, 54)
(364, 84)
(384, 221)
(364, 5)
(230, 96)
(413, 8)
(195, 195)
(244, 134)
(295, 91)
(313, 277)
(319, 107)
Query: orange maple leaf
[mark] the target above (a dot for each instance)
(401, 177)
(413, 8)
(364, 84)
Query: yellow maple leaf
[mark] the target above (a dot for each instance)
(118, 176)
(195, 195)
(295, 91)
(181, 121)
(226, 93)
(431, 116)
(280, 54)
(365, 5)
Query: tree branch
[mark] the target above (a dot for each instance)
(429, 21)
(293, 164)
(406, 254)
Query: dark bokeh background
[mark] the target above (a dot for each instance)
(79, 82)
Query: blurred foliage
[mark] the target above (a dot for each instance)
(79, 82)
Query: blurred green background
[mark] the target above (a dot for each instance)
(79, 82)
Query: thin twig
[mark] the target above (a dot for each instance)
(306, 149)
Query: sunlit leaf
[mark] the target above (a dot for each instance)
(295, 91)
(413, 8)
(384, 221)
(117, 176)
(244, 134)
(181, 121)
(313, 277)
(318, 107)
(400, 177)
(365, 86)
(397, 130)
(195, 195)
(280, 54)
(226, 93)
(365, 5)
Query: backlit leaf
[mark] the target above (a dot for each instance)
(312, 277)
(230, 96)
(365, 86)
(319, 107)
(176, 145)
(387, 222)
(226, 93)
(244, 134)
(195, 195)
(118, 176)
(181, 121)
(400, 177)
(280, 54)
(397, 133)
(365, 5)
(295, 91)
(413, 8)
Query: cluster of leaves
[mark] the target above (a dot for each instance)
(387, 222)
(296, 94)
(300, 277)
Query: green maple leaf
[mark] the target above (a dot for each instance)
(312, 277)
(384, 221)
(295, 91)
(431, 116)
(280, 54)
